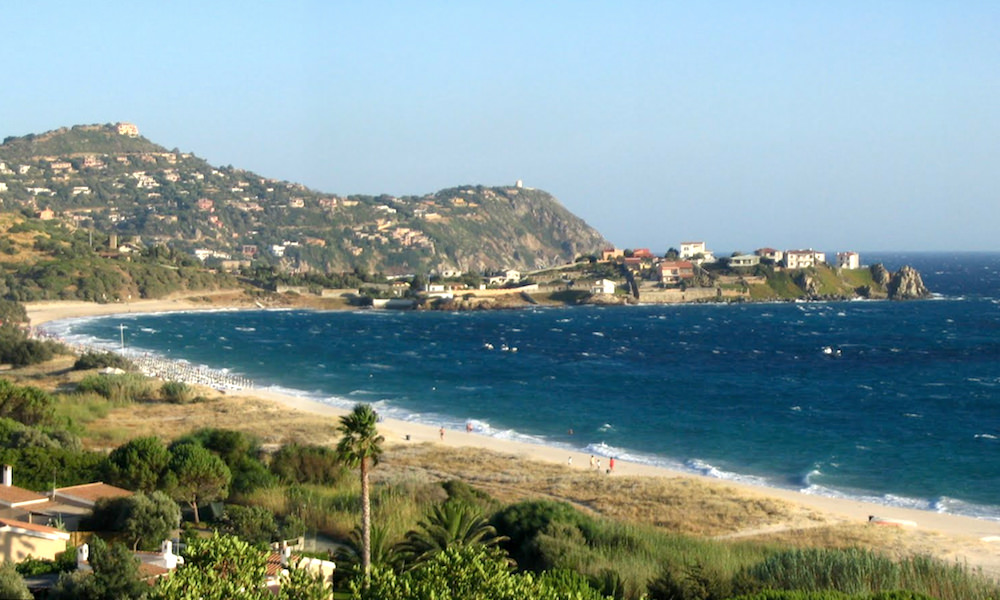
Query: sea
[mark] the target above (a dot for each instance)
(896, 403)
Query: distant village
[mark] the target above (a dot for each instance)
(691, 273)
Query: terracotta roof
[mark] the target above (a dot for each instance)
(11, 495)
(274, 564)
(32, 527)
(92, 492)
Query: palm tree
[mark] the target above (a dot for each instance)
(451, 524)
(361, 447)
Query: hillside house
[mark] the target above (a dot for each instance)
(848, 260)
(674, 272)
(92, 162)
(603, 286)
(696, 252)
(803, 259)
(771, 254)
(612, 254)
(86, 495)
(744, 260)
(17, 502)
(19, 540)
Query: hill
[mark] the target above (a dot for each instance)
(126, 189)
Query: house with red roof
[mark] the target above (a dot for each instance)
(16, 501)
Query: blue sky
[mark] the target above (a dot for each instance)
(836, 125)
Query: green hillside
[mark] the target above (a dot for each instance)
(114, 183)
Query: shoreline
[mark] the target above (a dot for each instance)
(972, 540)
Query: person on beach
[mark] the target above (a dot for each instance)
(593, 462)
(611, 464)
(569, 461)
(598, 465)
(468, 427)
(441, 433)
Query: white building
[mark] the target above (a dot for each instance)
(744, 260)
(689, 249)
(603, 286)
(692, 250)
(848, 260)
(802, 259)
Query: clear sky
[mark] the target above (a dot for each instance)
(865, 125)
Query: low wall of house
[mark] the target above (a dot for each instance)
(338, 293)
(676, 296)
(498, 292)
(17, 547)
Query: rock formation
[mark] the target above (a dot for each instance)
(906, 284)
(808, 283)
(880, 275)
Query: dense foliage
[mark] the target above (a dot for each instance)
(18, 350)
(143, 520)
(102, 360)
(468, 573)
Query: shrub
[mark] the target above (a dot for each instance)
(307, 464)
(25, 404)
(525, 521)
(252, 524)
(239, 451)
(18, 350)
(177, 392)
(102, 360)
(125, 388)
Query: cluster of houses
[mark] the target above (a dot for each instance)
(26, 530)
(694, 254)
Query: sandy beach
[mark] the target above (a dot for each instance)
(972, 541)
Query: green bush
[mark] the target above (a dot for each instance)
(176, 392)
(251, 524)
(18, 350)
(293, 463)
(524, 522)
(102, 360)
(240, 452)
(25, 404)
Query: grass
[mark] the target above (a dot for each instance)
(80, 410)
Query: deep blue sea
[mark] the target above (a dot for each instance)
(907, 414)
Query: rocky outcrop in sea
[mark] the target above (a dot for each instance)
(906, 284)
